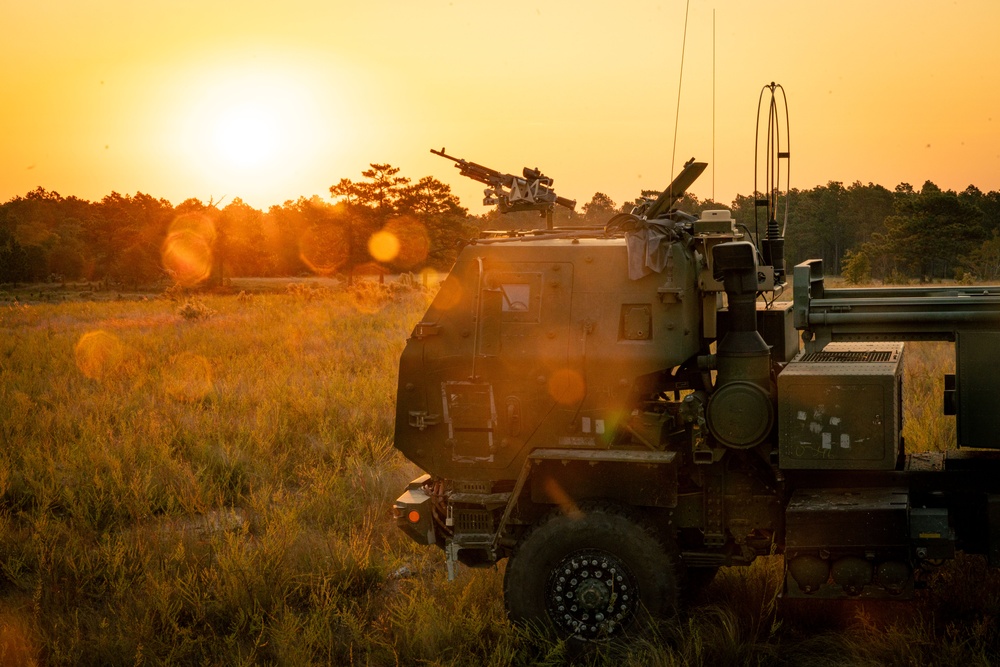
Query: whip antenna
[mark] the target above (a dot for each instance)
(677, 115)
(713, 104)
(773, 244)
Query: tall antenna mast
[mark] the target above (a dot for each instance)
(677, 116)
(713, 104)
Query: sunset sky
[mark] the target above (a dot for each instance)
(269, 101)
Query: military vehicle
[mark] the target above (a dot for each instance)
(621, 411)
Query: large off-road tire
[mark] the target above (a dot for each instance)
(590, 574)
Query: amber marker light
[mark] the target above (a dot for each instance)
(413, 516)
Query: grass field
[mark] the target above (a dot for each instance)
(209, 481)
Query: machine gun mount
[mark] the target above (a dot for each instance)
(509, 193)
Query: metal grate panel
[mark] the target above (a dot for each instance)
(464, 486)
(850, 356)
(473, 521)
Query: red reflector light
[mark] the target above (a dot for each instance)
(413, 516)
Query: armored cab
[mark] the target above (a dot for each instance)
(538, 343)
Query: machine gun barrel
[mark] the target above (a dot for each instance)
(476, 172)
(568, 203)
(533, 191)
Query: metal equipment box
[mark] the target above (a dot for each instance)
(841, 519)
(851, 542)
(840, 408)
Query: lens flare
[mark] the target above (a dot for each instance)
(324, 248)
(403, 241)
(383, 246)
(187, 250)
(566, 386)
(558, 495)
(188, 377)
(98, 354)
(415, 244)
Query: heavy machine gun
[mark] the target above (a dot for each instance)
(509, 193)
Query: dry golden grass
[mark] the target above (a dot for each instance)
(216, 490)
(925, 426)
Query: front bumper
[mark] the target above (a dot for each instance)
(413, 512)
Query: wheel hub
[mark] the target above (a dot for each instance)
(591, 593)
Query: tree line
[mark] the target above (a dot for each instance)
(870, 233)
(123, 239)
(386, 222)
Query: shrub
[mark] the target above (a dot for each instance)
(857, 268)
(194, 309)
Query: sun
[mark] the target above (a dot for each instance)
(252, 128)
(249, 133)
(247, 121)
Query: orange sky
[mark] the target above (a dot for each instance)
(270, 101)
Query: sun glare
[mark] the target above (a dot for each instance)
(248, 134)
(251, 128)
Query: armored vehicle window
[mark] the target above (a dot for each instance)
(522, 295)
(516, 297)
